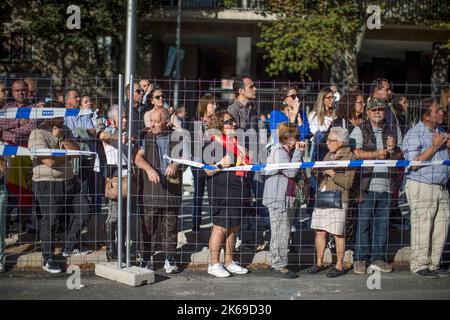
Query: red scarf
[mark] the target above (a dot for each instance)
(231, 145)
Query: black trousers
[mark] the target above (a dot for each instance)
(54, 198)
(162, 222)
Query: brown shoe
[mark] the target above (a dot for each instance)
(382, 266)
(359, 267)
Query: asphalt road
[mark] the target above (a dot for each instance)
(198, 285)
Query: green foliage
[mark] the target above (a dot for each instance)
(304, 37)
(74, 52)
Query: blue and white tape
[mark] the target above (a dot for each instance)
(40, 113)
(316, 164)
(11, 150)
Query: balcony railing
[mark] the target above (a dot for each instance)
(393, 11)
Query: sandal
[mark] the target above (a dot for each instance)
(316, 269)
(333, 273)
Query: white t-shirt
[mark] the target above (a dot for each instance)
(314, 124)
(112, 156)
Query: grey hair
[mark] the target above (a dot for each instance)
(341, 135)
(112, 111)
(165, 115)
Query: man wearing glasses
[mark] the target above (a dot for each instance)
(375, 140)
(137, 113)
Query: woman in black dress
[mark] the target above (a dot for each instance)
(228, 192)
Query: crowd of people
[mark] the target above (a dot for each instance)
(351, 205)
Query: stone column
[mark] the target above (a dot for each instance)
(243, 55)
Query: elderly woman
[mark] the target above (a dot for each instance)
(332, 220)
(228, 192)
(279, 196)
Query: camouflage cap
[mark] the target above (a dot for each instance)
(376, 103)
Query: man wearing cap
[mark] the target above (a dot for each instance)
(426, 191)
(375, 140)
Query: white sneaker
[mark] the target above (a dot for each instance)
(233, 267)
(238, 243)
(218, 270)
(170, 267)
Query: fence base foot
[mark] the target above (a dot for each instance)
(133, 276)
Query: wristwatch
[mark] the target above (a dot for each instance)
(219, 166)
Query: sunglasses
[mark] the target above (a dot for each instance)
(230, 122)
(331, 140)
(158, 97)
(329, 97)
(139, 91)
(377, 110)
(293, 96)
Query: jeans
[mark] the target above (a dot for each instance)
(3, 198)
(373, 214)
(53, 197)
(197, 199)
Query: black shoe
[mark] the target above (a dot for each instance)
(334, 273)
(427, 274)
(441, 272)
(147, 265)
(51, 267)
(316, 269)
(283, 273)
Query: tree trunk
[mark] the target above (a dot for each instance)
(439, 72)
(344, 71)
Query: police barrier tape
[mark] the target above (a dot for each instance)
(41, 113)
(11, 150)
(315, 164)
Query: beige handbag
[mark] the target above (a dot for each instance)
(112, 187)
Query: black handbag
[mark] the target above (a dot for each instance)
(329, 200)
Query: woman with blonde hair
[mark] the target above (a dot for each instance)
(322, 114)
(205, 108)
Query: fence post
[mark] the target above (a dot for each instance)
(119, 180)
(130, 121)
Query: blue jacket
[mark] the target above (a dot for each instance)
(277, 117)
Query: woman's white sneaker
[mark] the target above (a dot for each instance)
(233, 267)
(218, 270)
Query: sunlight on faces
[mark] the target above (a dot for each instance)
(359, 105)
(384, 93)
(86, 103)
(210, 108)
(333, 144)
(157, 122)
(144, 84)
(229, 125)
(20, 91)
(158, 99)
(73, 99)
(328, 101)
(376, 115)
(249, 90)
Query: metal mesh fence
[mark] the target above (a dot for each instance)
(67, 197)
